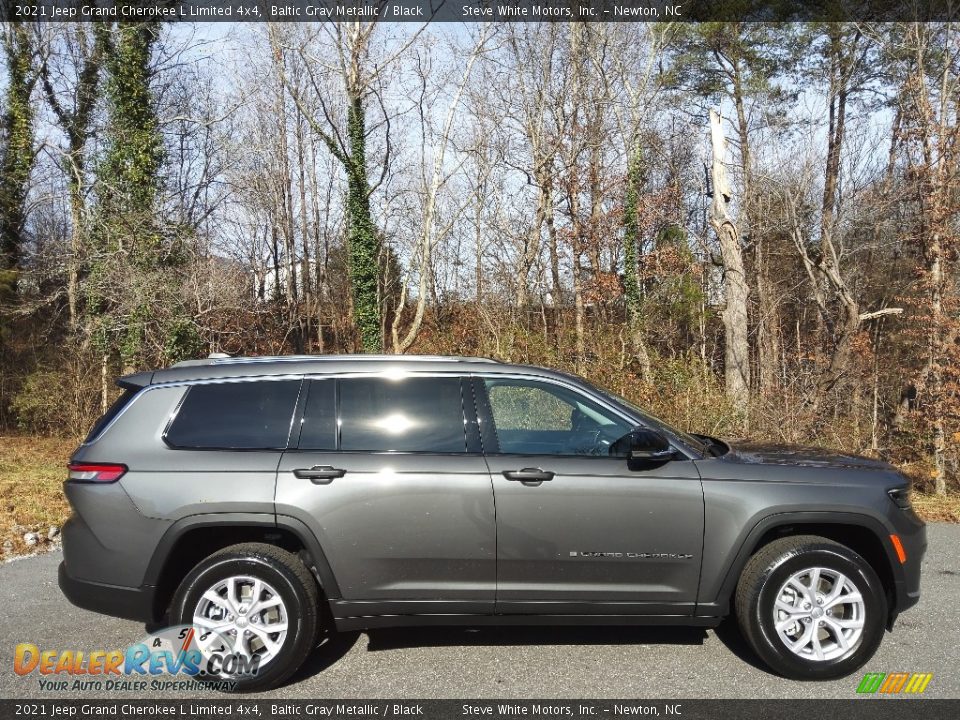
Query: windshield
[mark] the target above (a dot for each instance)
(648, 419)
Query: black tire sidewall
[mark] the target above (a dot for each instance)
(767, 641)
(290, 590)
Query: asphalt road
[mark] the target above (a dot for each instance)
(513, 662)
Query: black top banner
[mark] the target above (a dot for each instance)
(478, 10)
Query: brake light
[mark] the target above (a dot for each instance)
(96, 472)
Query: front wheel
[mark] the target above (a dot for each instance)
(811, 608)
(254, 609)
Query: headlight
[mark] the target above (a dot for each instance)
(900, 497)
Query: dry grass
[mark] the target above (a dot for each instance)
(32, 471)
(937, 508)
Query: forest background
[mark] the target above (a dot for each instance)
(551, 194)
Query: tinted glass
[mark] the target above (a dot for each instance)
(536, 418)
(406, 415)
(236, 415)
(319, 429)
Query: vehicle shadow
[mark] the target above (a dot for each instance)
(396, 638)
(337, 645)
(328, 652)
(728, 632)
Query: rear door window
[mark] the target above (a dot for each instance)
(253, 415)
(411, 414)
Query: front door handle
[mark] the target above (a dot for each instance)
(528, 476)
(319, 474)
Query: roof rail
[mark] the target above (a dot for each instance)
(222, 359)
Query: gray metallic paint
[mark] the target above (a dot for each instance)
(405, 534)
(596, 504)
(401, 526)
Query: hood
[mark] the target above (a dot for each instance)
(756, 453)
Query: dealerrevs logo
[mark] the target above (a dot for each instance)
(171, 659)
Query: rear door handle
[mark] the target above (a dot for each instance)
(528, 476)
(319, 474)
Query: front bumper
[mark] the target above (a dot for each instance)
(913, 536)
(123, 602)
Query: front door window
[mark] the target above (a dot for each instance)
(537, 418)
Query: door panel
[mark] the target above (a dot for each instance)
(399, 526)
(598, 532)
(594, 535)
(403, 512)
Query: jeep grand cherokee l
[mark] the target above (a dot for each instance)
(269, 500)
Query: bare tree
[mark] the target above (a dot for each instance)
(432, 230)
(737, 347)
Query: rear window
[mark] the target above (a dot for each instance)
(405, 415)
(119, 404)
(235, 416)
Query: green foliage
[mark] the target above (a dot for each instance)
(631, 234)
(719, 59)
(363, 239)
(56, 401)
(130, 171)
(679, 296)
(129, 241)
(17, 153)
(183, 340)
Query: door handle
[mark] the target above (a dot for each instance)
(531, 476)
(319, 474)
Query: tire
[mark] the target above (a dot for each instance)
(285, 587)
(832, 639)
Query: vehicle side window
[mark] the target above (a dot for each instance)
(406, 415)
(319, 428)
(538, 418)
(252, 415)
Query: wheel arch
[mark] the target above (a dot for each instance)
(191, 539)
(863, 534)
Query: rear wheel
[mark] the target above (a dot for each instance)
(811, 608)
(255, 607)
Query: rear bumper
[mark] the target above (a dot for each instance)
(123, 602)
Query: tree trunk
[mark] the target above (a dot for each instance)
(737, 350)
(631, 268)
(363, 239)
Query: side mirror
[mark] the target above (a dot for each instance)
(643, 445)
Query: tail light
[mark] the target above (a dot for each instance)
(96, 472)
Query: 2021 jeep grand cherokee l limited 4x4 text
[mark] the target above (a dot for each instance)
(254, 497)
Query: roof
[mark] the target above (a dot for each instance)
(218, 366)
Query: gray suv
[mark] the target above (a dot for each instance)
(274, 500)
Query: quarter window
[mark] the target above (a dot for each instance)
(235, 416)
(412, 414)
